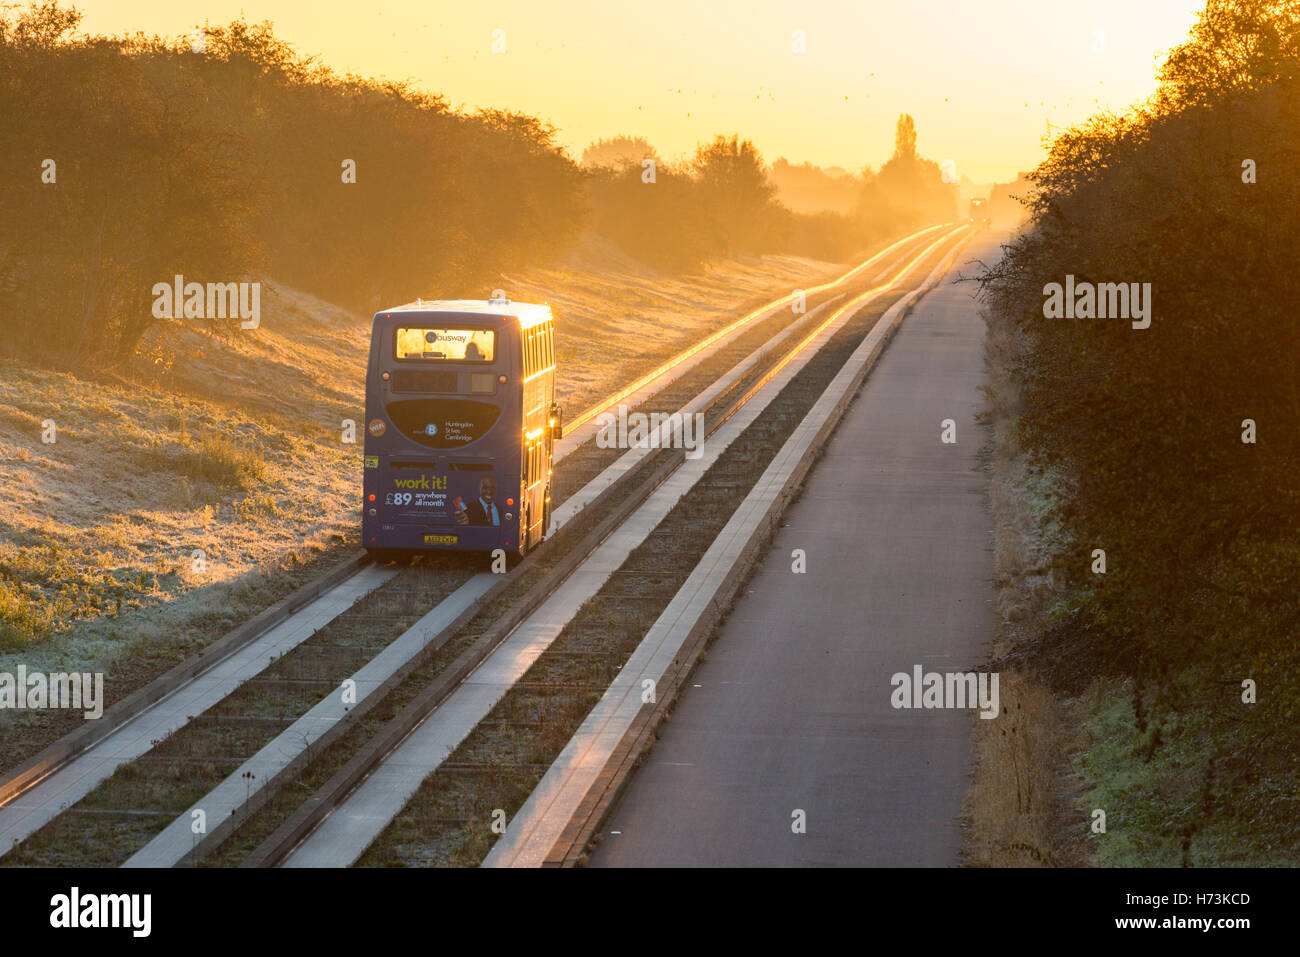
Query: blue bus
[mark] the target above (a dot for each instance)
(461, 422)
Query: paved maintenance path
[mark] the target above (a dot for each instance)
(791, 711)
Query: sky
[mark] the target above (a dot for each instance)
(985, 81)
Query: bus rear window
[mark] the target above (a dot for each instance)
(444, 345)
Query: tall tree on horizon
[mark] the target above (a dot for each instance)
(905, 137)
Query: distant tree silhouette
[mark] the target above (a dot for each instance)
(617, 152)
(735, 190)
(807, 188)
(911, 185)
(905, 138)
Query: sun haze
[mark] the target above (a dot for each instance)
(985, 81)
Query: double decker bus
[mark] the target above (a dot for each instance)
(461, 421)
(979, 213)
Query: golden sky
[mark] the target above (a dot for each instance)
(982, 79)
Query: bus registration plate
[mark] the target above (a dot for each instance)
(440, 539)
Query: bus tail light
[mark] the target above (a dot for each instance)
(372, 496)
(510, 501)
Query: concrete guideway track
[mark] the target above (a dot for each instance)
(72, 781)
(222, 804)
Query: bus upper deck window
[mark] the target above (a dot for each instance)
(444, 345)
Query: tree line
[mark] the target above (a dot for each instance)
(1173, 452)
(723, 201)
(125, 161)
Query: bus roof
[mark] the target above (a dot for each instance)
(528, 313)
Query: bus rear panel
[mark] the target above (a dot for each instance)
(456, 454)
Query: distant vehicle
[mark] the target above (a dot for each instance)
(979, 213)
(460, 427)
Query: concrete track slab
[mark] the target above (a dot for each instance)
(41, 803)
(171, 844)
